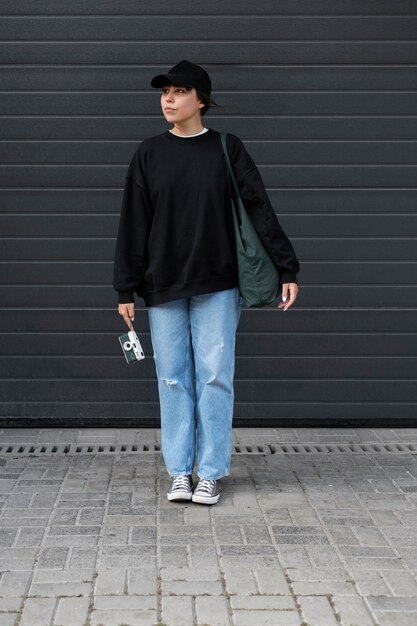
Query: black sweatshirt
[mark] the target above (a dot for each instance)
(175, 236)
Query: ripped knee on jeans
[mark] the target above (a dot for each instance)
(169, 382)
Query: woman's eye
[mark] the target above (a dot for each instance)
(180, 90)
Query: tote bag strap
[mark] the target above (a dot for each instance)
(229, 165)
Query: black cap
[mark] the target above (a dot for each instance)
(185, 74)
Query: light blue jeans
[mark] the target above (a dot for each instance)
(195, 337)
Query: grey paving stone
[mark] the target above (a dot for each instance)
(90, 516)
(372, 584)
(357, 565)
(323, 556)
(192, 587)
(301, 539)
(142, 581)
(37, 612)
(394, 619)
(170, 515)
(212, 611)
(112, 581)
(71, 612)
(171, 540)
(393, 604)
(378, 501)
(71, 540)
(367, 551)
(129, 520)
(263, 602)
(68, 575)
(305, 516)
(125, 617)
(386, 518)
(278, 515)
(8, 619)
(248, 550)
(52, 557)
(352, 611)
(29, 537)
(368, 536)
(271, 581)
(251, 562)
(197, 515)
(241, 581)
(266, 618)
(136, 551)
(7, 536)
(82, 558)
(185, 530)
(202, 555)
(23, 500)
(11, 603)
(317, 611)
(14, 583)
(190, 573)
(324, 588)
(114, 535)
(343, 536)
(64, 516)
(123, 602)
(53, 590)
(295, 556)
(347, 521)
(143, 534)
(400, 583)
(177, 611)
(228, 534)
(174, 555)
(255, 534)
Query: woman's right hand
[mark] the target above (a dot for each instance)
(127, 311)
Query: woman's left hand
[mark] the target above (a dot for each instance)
(289, 295)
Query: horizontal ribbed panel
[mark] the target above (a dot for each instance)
(322, 92)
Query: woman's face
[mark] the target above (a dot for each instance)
(180, 104)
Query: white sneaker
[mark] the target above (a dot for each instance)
(181, 488)
(207, 491)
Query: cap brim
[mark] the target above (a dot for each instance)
(170, 79)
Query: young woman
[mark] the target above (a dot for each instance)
(175, 249)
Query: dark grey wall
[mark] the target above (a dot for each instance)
(322, 92)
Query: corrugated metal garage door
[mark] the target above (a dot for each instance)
(322, 92)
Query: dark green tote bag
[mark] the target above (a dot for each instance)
(259, 282)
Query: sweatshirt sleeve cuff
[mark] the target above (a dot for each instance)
(288, 277)
(126, 297)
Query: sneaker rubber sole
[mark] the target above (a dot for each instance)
(180, 496)
(205, 499)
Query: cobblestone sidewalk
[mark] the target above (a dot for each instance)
(304, 538)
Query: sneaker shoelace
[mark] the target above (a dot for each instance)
(180, 483)
(206, 485)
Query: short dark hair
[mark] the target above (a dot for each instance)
(207, 100)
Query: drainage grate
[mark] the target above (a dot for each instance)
(13, 450)
(331, 448)
(75, 449)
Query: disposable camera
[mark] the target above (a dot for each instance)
(131, 347)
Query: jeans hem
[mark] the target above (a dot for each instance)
(214, 478)
(181, 474)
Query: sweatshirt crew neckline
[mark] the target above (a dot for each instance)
(205, 129)
(190, 139)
